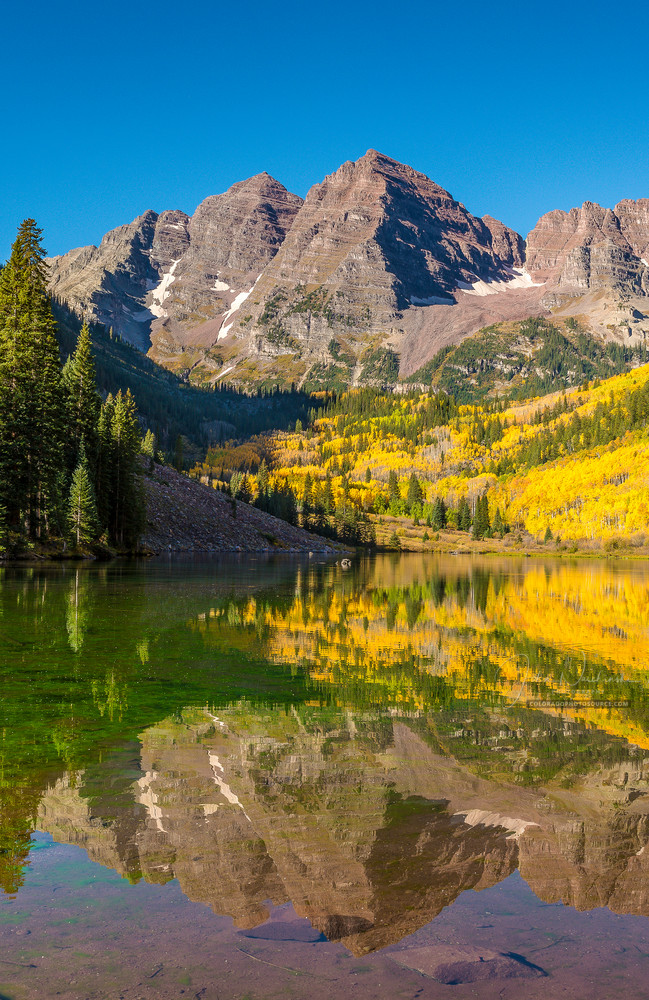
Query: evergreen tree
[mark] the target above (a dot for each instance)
(128, 506)
(262, 480)
(499, 527)
(328, 497)
(236, 479)
(83, 402)
(148, 448)
(438, 519)
(394, 493)
(245, 490)
(31, 414)
(481, 524)
(415, 493)
(82, 509)
(307, 501)
(104, 471)
(464, 515)
(149, 444)
(318, 515)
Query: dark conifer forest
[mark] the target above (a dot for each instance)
(70, 467)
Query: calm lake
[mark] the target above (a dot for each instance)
(418, 777)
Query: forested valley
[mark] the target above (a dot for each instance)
(568, 470)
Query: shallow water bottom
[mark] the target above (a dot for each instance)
(79, 930)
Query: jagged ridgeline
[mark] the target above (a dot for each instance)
(363, 282)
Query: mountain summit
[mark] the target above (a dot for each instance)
(259, 286)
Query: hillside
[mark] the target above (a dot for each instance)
(170, 405)
(186, 516)
(518, 360)
(567, 470)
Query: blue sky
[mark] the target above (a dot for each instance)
(516, 109)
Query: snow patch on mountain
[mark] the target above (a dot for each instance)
(149, 799)
(519, 279)
(161, 291)
(236, 304)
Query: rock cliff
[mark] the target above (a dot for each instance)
(108, 284)
(231, 239)
(591, 247)
(377, 262)
(170, 279)
(374, 240)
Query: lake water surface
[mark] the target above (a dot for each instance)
(419, 777)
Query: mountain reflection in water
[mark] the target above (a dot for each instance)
(365, 745)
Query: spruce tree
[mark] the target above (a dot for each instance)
(104, 478)
(82, 509)
(149, 444)
(236, 481)
(394, 494)
(307, 501)
(262, 483)
(31, 412)
(149, 449)
(464, 515)
(438, 519)
(83, 402)
(318, 515)
(245, 491)
(415, 492)
(128, 506)
(328, 500)
(481, 523)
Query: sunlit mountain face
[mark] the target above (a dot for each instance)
(354, 748)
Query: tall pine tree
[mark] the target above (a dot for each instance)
(83, 402)
(128, 507)
(82, 509)
(31, 411)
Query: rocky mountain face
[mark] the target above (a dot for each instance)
(231, 238)
(373, 240)
(107, 284)
(163, 276)
(378, 267)
(592, 247)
